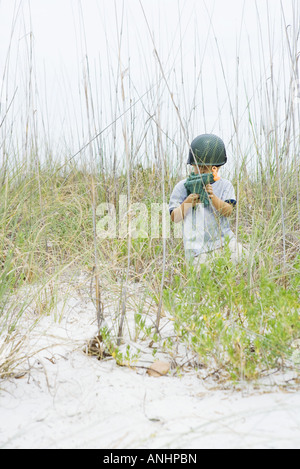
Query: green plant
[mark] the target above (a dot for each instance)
(231, 324)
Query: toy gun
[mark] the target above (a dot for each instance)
(195, 184)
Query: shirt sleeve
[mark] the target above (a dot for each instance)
(178, 195)
(228, 194)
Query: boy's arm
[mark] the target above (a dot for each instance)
(180, 212)
(224, 208)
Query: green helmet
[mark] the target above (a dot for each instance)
(207, 150)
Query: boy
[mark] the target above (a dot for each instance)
(205, 220)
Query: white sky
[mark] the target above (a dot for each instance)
(187, 35)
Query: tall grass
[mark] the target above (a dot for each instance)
(242, 319)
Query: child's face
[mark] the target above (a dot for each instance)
(202, 169)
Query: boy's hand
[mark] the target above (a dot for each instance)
(209, 190)
(223, 208)
(179, 213)
(193, 199)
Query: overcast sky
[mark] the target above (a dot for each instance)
(198, 43)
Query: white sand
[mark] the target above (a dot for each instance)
(70, 400)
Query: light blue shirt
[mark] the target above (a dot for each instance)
(204, 229)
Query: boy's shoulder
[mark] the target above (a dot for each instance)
(226, 181)
(223, 185)
(180, 184)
